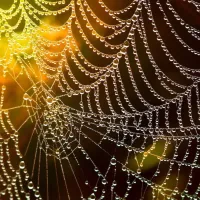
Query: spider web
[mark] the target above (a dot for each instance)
(99, 100)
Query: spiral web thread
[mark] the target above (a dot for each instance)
(76, 91)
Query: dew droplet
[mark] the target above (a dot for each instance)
(37, 194)
(49, 100)
(26, 96)
(86, 183)
(30, 185)
(104, 182)
(22, 165)
(113, 161)
(92, 197)
(9, 187)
